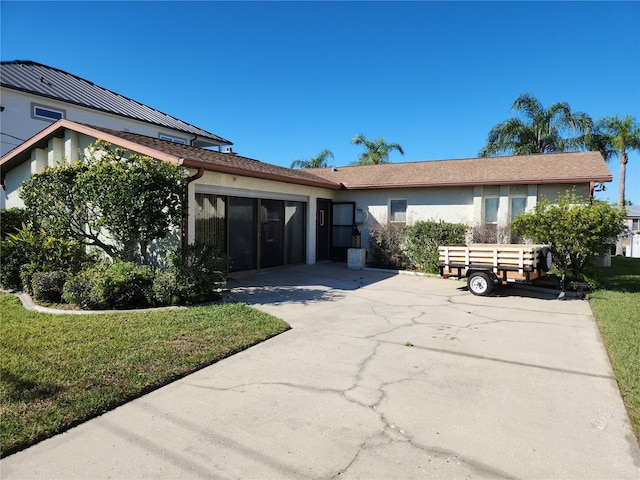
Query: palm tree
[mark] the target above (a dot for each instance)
(377, 151)
(320, 161)
(541, 131)
(613, 137)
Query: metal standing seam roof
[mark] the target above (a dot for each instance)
(45, 81)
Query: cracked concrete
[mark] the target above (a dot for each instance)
(382, 376)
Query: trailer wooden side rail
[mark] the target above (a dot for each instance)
(488, 265)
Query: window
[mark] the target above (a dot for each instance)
(518, 206)
(398, 211)
(173, 139)
(635, 224)
(46, 113)
(491, 209)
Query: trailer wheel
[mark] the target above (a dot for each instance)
(480, 283)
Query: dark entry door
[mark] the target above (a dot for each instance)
(343, 217)
(271, 233)
(323, 229)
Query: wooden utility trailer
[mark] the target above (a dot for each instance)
(489, 265)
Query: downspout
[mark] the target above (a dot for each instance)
(185, 207)
(193, 140)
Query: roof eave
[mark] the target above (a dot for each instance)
(193, 163)
(514, 181)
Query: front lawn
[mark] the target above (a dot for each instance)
(616, 307)
(59, 370)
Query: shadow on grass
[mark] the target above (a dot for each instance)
(622, 276)
(22, 389)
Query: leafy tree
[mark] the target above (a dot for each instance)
(377, 150)
(540, 131)
(575, 230)
(113, 200)
(613, 138)
(319, 161)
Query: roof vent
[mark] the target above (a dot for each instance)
(334, 169)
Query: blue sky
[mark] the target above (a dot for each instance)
(285, 80)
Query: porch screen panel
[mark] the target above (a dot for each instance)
(294, 231)
(272, 233)
(210, 220)
(243, 234)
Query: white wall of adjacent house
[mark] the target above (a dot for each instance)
(20, 122)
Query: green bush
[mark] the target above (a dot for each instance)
(27, 246)
(385, 247)
(12, 220)
(111, 285)
(48, 286)
(192, 275)
(422, 239)
(576, 229)
(26, 276)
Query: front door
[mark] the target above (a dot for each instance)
(343, 217)
(323, 229)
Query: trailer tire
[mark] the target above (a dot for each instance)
(545, 259)
(480, 283)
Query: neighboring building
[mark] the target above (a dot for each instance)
(264, 215)
(632, 220)
(33, 96)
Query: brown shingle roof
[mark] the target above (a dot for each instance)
(169, 151)
(574, 167)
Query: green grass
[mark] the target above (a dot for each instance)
(616, 307)
(59, 370)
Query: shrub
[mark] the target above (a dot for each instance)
(576, 230)
(385, 246)
(48, 286)
(111, 285)
(423, 238)
(488, 233)
(12, 220)
(27, 246)
(191, 276)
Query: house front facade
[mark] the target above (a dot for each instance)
(264, 216)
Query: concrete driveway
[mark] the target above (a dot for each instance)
(382, 376)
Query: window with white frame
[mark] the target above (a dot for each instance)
(518, 200)
(635, 224)
(170, 138)
(398, 211)
(491, 204)
(42, 112)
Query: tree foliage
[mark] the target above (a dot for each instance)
(576, 231)
(540, 130)
(319, 161)
(377, 151)
(113, 200)
(614, 137)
